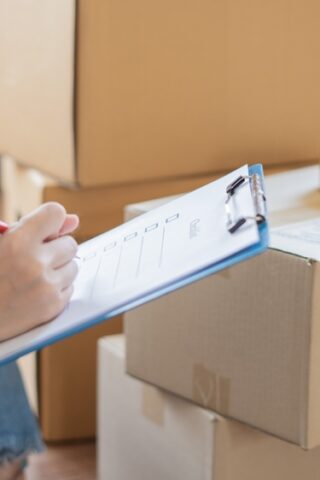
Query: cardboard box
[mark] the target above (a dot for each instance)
(65, 372)
(147, 433)
(99, 208)
(67, 384)
(100, 92)
(244, 342)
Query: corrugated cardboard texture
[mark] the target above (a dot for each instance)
(211, 389)
(99, 209)
(67, 384)
(292, 196)
(37, 83)
(313, 426)
(192, 443)
(237, 345)
(161, 89)
(195, 87)
(242, 452)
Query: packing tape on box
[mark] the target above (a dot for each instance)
(153, 406)
(211, 390)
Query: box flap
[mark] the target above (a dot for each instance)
(292, 188)
(302, 238)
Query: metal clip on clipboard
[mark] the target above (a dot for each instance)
(259, 200)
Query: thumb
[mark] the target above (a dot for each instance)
(45, 221)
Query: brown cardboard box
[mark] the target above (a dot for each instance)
(245, 342)
(100, 92)
(65, 372)
(99, 208)
(67, 384)
(146, 433)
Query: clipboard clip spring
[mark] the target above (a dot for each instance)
(259, 200)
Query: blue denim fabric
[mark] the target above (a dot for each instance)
(19, 432)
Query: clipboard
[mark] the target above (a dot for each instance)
(232, 226)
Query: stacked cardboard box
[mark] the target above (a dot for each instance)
(145, 433)
(127, 101)
(245, 342)
(61, 379)
(61, 383)
(106, 92)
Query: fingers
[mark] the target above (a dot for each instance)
(64, 277)
(44, 222)
(60, 251)
(70, 224)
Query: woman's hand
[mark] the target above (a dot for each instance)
(37, 269)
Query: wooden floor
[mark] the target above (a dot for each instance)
(65, 462)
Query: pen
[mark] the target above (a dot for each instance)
(3, 227)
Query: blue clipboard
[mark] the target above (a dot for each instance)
(255, 171)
